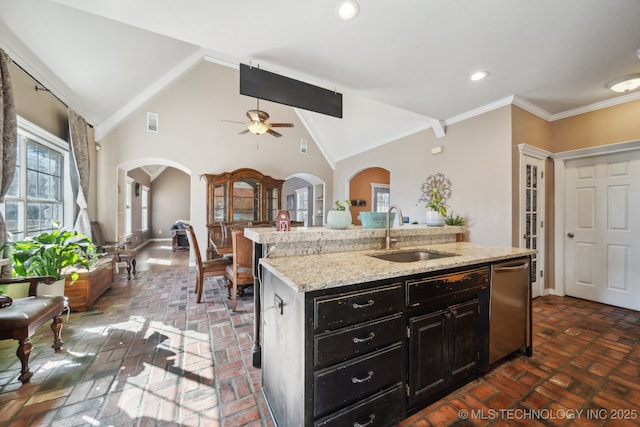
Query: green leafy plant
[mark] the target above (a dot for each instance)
(436, 202)
(454, 220)
(342, 207)
(49, 254)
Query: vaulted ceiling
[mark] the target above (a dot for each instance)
(402, 66)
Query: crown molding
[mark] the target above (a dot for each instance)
(596, 106)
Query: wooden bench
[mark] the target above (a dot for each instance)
(21, 319)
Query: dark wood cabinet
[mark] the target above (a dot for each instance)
(371, 353)
(447, 318)
(335, 357)
(242, 195)
(444, 350)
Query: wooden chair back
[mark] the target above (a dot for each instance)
(242, 249)
(193, 242)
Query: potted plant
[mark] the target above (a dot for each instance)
(435, 192)
(51, 254)
(339, 218)
(455, 220)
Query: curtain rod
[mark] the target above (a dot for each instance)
(39, 86)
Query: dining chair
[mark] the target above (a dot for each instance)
(240, 273)
(206, 268)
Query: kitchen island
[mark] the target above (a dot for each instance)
(351, 339)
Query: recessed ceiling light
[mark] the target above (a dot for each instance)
(479, 75)
(624, 84)
(347, 10)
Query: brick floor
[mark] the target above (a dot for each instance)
(148, 355)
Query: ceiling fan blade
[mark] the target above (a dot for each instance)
(243, 132)
(274, 133)
(231, 121)
(281, 125)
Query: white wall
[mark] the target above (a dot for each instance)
(193, 138)
(476, 158)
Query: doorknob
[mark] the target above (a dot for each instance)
(570, 235)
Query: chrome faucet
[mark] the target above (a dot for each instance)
(388, 239)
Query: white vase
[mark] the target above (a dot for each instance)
(338, 220)
(434, 219)
(56, 288)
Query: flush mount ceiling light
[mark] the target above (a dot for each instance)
(625, 84)
(347, 10)
(479, 75)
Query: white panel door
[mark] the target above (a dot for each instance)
(603, 229)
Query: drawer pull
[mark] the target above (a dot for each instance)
(368, 304)
(368, 423)
(368, 338)
(362, 380)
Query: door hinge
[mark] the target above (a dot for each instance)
(541, 273)
(541, 224)
(542, 174)
(407, 389)
(408, 332)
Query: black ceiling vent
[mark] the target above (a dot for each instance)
(283, 90)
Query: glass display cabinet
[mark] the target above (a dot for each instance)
(242, 195)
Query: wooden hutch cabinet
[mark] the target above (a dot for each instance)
(244, 195)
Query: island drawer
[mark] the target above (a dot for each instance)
(342, 310)
(351, 381)
(338, 346)
(382, 409)
(421, 291)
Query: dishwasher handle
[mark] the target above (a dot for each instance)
(513, 268)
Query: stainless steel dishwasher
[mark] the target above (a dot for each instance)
(509, 308)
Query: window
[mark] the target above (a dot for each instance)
(302, 205)
(145, 208)
(380, 197)
(128, 201)
(36, 197)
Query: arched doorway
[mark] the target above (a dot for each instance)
(369, 191)
(152, 195)
(303, 196)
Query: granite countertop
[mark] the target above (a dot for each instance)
(315, 272)
(305, 234)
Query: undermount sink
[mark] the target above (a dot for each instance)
(412, 256)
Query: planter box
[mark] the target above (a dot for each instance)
(90, 285)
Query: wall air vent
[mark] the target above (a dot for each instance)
(152, 122)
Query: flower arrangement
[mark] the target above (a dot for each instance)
(435, 192)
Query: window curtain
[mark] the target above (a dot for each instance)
(80, 149)
(9, 133)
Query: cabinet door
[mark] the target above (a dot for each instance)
(464, 344)
(427, 355)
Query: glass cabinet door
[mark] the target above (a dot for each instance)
(272, 203)
(246, 200)
(220, 202)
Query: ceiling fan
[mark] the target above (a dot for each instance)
(258, 123)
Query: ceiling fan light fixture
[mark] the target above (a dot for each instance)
(258, 127)
(346, 10)
(624, 84)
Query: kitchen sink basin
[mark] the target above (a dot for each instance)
(411, 256)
